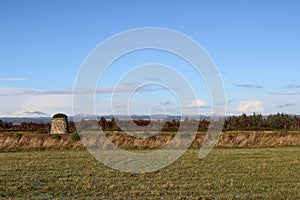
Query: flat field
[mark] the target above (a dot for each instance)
(226, 173)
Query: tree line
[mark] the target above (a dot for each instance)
(31, 127)
(244, 122)
(279, 121)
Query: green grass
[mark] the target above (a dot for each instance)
(257, 173)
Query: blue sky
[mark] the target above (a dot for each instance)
(254, 44)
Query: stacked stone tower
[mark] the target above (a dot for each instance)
(59, 124)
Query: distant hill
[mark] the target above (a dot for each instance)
(28, 114)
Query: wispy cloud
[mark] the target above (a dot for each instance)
(167, 103)
(69, 91)
(230, 101)
(293, 86)
(286, 105)
(153, 79)
(13, 79)
(285, 93)
(150, 88)
(249, 86)
(132, 84)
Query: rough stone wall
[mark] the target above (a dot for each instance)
(59, 126)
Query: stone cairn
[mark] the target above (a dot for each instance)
(59, 124)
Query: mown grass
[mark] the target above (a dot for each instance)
(237, 173)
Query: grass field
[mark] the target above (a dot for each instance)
(235, 173)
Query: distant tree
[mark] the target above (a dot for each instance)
(231, 123)
(114, 124)
(203, 125)
(102, 123)
(256, 121)
(8, 125)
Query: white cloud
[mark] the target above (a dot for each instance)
(251, 106)
(196, 103)
(195, 107)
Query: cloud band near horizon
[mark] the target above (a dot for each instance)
(70, 91)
